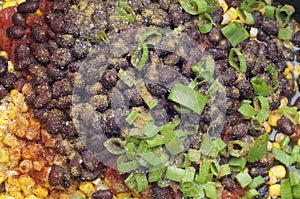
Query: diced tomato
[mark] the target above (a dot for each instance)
(115, 181)
(234, 194)
(45, 5)
(6, 21)
(32, 18)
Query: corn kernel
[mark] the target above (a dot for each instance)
(6, 197)
(87, 188)
(11, 67)
(8, 4)
(286, 71)
(1, 134)
(31, 196)
(16, 194)
(20, 1)
(40, 191)
(11, 187)
(298, 142)
(279, 171)
(277, 145)
(274, 117)
(10, 140)
(39, 12)
(4, 54)
(26, 180)
(274, 190)
(123, 195)
(229, 16)
(267, 127)
(279, 137)
(224, 5)
(273, 179)
(3, 177)
(4, 156)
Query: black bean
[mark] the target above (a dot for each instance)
(87, 175)
(274, 49)
(215, 35)
(39, 32)
(56, 175)
(99, 17)
(68, 129)
(75, 165)
(171, 59)
(259, 171)
(90, 161)
(228, 183)
(270, 27)
(109, 78)
(102, 194)
(218, 53)
(274, 100)
(41, 53)
(296, 39)
(39, 73)
(55, 121)
(257, 16)
(297, 54)
(217, 15)
(286, 126)
(8, 80)
(61, 57)
(65, 40)
(64, 147)
(245, 88)
(228, 77)
(239, 131)
(15, 32)
(28, 7)
(233, 3)
(286, 86)
(3, 66)
(41, 114)
(101, 102)
(288, 54)
(159, 192)
(56, 73)
(263, 191)
(57, 24)
(19, 20)
(177, 15)
(80, 49)
(186, 68)
(42, 99)
(3, 91)
(59, 7)
(157, 89)
(72, 29)
(61, 88)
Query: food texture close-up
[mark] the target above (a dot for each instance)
(149, 99)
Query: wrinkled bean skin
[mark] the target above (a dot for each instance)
(19, 20)
(15, 32)
(28, 7)
(286, 126)
(102, 194)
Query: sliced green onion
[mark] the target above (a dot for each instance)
(126, 78)
(256, 182)
(219, 145)
(203, 172)
(150, 129)
(151, 37)
(285, 141)
(261, 104)
(235, 33)
(124, 165)
(274, 75)
(215, 167)
(296, 191)
(125, 11)
(284, 14)
(203, 26)
(237, 152)
(115, 146)
(247, 110)
(157, 140)
(243, 178)
(207, 145)
(103, 36)
(224, 170)
(212, 5)
(282, 156)
(156, 174)
(194, 191)
(154, 158)
(137, 182)
(242, 67)
(131, 117)
(188, 97)
(175, 174)
(294, 177)
(251, 6)
(145, 94)
(252, 193)
(175, 146)
(286, 189)
(237, 164)
(188, 177)
(290, 113)
(211, 190)
(259, 148)
(245, 16)
(194, 7)
(260, 86)
(140, 57)
(270, 12)
(285, 33)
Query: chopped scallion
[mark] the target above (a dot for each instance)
(285, 33)
(175, 174)
(259, 148)
(235, 33)
(244, 179)
(284, 14)
(194, 7)
(286, 189)
(290, 113)
(242, 66)
(115, 146)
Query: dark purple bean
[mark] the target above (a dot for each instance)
(218, 53)
(102, 194)
(109, 78)
(56, 175)
(260, 171)
(215, 35)
(28, 7)
(3, 91)
(61, 88)
(39, 32)
(239, 131)
(157, 89)
(64, 147)
(65, 40)
(75, 165)
(90, 161)
(177, 15)
(3, 66)
(80, 49)
(228, 77)
(41, 53)
(15, 32)
(233, 3)
(245, 88)
(19, 20)
(68, 129)
(8, 80)
(101, 102)
(171, 59)
(228, 184)
(270, 27)
(258, 18)
(41, 114)
(217, 15)
(296, 39)
(288, 54)
(61, 57)
(286, 126)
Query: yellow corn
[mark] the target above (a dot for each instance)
(284, 101)
(286, 71)
(279, 171)
(274, 190)
(20, 1)
(38, 12)
(274, 117)
(267, 127)
(26, 180)
(16, 194)
(87, 188)
(123, 195)
(273, 179)
(4, 155)
(3, 177)
(298, 142)
(277, 145)
(10, 140)
(4, 54)
(11, 67)
(8, 4)
(40, 191)
(6, 197)
(31, 196)
(224, 5)
(229, 16)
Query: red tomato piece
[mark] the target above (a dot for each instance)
(115, 180)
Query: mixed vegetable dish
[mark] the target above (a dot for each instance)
(149, 99)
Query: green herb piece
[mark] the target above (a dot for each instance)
(211, 190)
(245, 17)
(175, 174)
(126, 78)
(247, 110)
(188, 97)
(154, 158)
(274, 75)
(194, 155)
(260, 86)
(242, 67)
(286, 189)
(115, 146)
(194, 7)
(252, 5)
(237, 152)
(282, 156)
(284, 14)
(296, 191)
(124, 165)
(235, 33)
(259, 148)
(294, 177)
(252, 193)
(203, 172)
(194, 191)
(256, 182)
(155, 141)
(125, 11)
(205, 23)
(285, 33)
(224, 170)
(285, 141)
(137, 182)
(103, 36)
(244, 179)
(131, 117)
(175, 146)
(188, 177)
(215, 167)
(150, 129)
(207, 145)
(290, 113)
(270, 12)
(155, 174)
(140, 56)
(237, 164)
